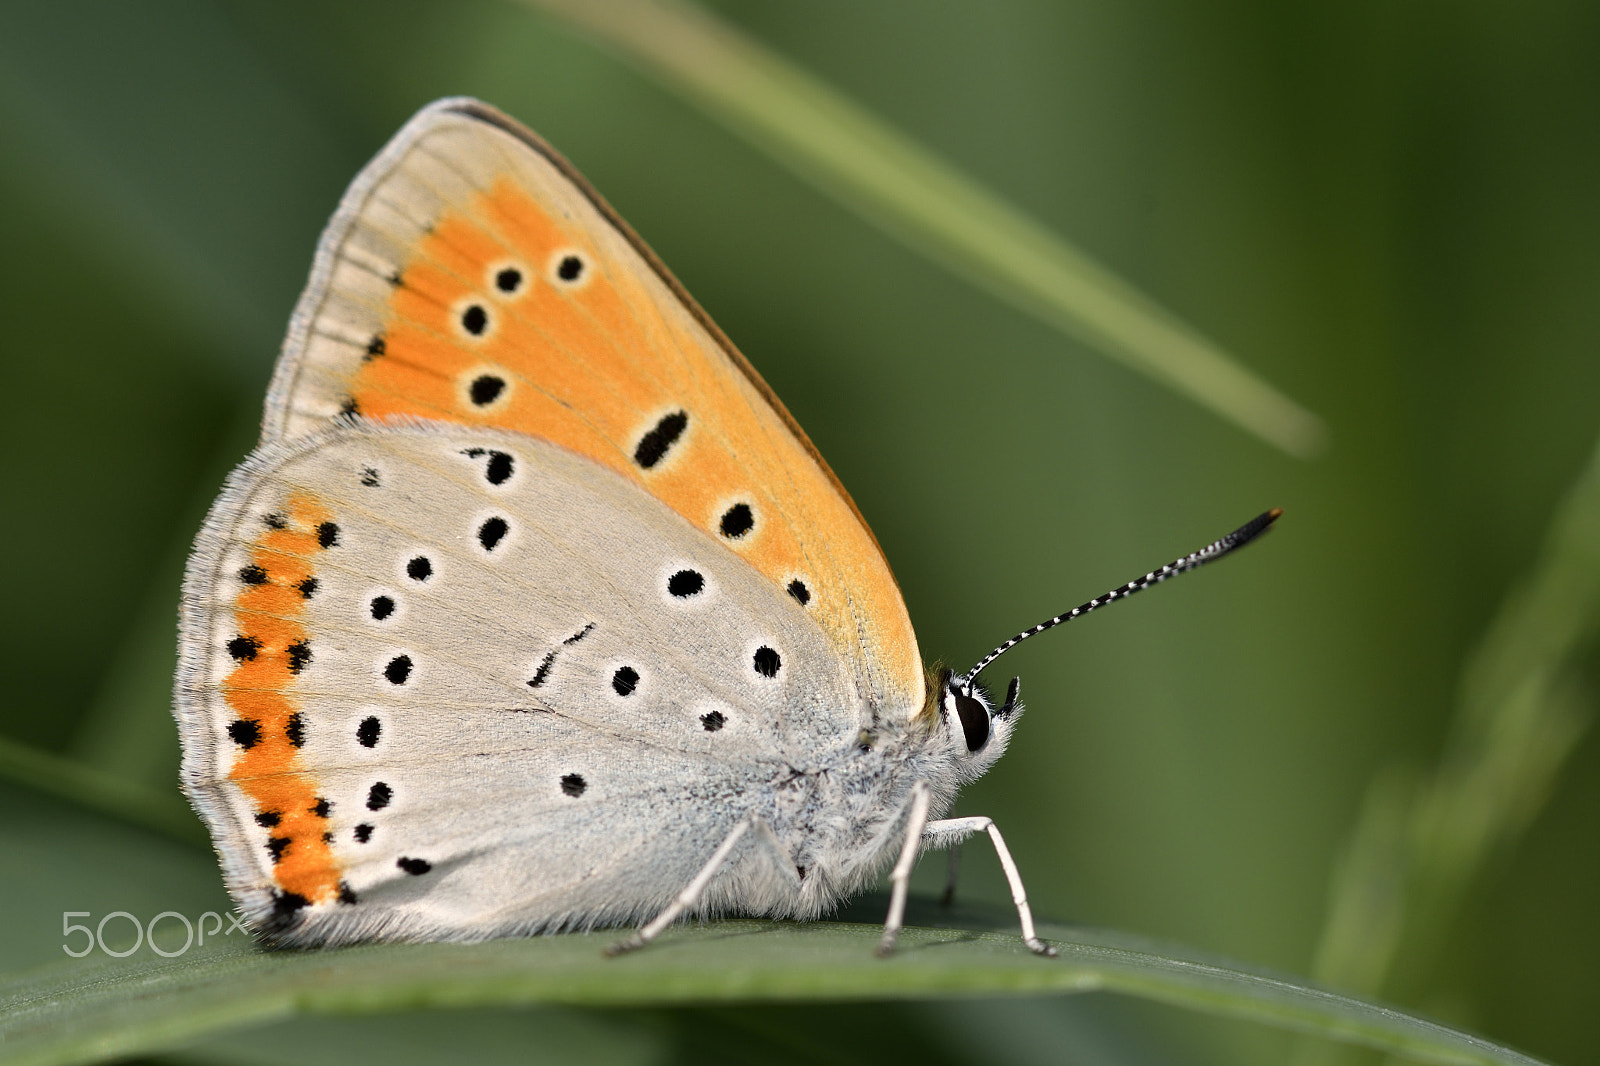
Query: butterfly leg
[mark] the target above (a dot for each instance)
(900, 878)
(940, 833)
(697, 885)
(949, 895)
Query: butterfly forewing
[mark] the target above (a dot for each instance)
(446, 681)
(472, 277)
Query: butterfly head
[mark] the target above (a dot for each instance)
(974, 728)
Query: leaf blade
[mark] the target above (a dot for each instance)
(87, 1010)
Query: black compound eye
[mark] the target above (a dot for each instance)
(974, 720)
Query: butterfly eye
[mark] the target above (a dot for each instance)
(974, 720)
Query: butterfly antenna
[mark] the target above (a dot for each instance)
(1215, 550)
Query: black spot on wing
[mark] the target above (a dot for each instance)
(767, 661)
(414, 867)
(369, 731)
(492, 532)
(244, 648)
(625, 680)
(737, 521)
(398, 670)
(498, 469)
(486, 389)
(378, 796)
(245, 732)
(573, 784)
(286, 907)
(654, 445)
(686, 583)
(543, 672)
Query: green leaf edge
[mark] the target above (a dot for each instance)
(87, 1010)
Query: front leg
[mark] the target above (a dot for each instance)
(951, 831)
(900, 878)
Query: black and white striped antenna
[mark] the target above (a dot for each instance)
(1215, 550)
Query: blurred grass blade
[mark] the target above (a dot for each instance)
(1521, 710)
(102, 792)
(100, 1007)
(896, 184)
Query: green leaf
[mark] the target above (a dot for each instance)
(99, 1007)
(830, 141)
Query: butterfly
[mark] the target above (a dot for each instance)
(536, 610)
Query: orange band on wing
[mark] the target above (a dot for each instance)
(270, 649)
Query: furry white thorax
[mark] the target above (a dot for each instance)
(844, 821)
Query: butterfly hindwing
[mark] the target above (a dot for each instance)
(471, 276)
(452, 681)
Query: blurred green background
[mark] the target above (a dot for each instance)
(1386, 210)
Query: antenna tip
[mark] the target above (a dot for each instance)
(1251, 529)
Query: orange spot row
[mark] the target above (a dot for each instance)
(259, 690)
